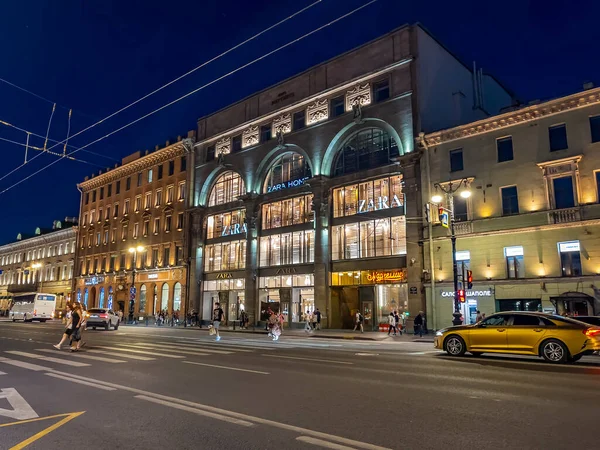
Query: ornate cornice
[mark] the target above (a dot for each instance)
(63, 235)
(142, 163)
(528, 114)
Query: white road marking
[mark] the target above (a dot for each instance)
(2, 373)
(231, 347)
(24, 365)
(367, 354)
(136, 357)
(200, 412)
(47, 358)
(86, 383)
(79, 355)
(424, 353)
(321, 443)
(20, 408)
(225, 367)
(118, 349)
(309, 359)
(159, 347)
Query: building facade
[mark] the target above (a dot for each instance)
(529, 230)
(41, 262)
(307, 195)
(131, 240)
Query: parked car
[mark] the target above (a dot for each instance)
(555, 338)
(592, 320)
(100, 317)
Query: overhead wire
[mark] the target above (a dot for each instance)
(260, 58)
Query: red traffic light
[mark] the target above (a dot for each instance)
(461, 295)
(469, 276)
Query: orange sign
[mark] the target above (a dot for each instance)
(388, 276)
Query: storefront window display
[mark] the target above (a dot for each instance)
(287, 171)
(374, 195)
(227, 188)
(229, 293)
(226, 224)
(292, 211)
(287, 248)
(370, 238)
(292, 295)
(225, 256)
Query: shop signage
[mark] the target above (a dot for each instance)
(152, 276)
(286, 271)
(224, 276)
(413, 290)
(572, 246)
(236, 228)
(92, 281)
(287, 184)
(379, 204)
(514, 251)
(386, 276)
(487, 293)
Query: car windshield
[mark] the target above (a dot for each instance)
(96, 310)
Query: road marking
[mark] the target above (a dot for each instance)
(425, 353)
(41, 434)
(119, 349)
(2, 373)
(174, 349)
(24, 365)
(225, 367)
(136, 357)
(309, 359)
(321, 443)
(200, 412)
(86, 383)
(367, 354)
(231, 347)
(20, 408)
(47, 358)
(78, 355)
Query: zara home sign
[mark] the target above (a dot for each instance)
(380, 203)
(287, 184)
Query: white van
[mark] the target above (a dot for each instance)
(33, 306)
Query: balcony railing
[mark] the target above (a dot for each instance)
(463, 228)
(564, 215)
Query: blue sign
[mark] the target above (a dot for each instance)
(132, 290)
(445, 218)
(110, 301)
(287, 184)
(1, 271)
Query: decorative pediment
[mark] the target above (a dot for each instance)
(146, 215)
(168, 210)
(359, 95)
(250, 136)
(125, 220)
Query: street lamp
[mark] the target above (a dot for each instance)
(134, 251)
(38, 266)
(449, 190)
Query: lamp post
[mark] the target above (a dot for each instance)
(449, 190)
(134, 251)
(39, 266)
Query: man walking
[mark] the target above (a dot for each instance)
(359, 322)
(318, 318)
(217, 318)
(308, 319)
(391, 323)
(418, 323)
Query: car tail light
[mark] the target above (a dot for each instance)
(592, 332)
(105, 316)
(35, 312)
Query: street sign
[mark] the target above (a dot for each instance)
(444, 217)
(1, 271)
(132, 290)
(413, 290)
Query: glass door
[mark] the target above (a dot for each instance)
(367, 313)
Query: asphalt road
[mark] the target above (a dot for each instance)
(177, 388)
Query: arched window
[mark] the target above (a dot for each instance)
(164, 297)
(367, 149)
(101, 298)
(78, 297)
(177, 297)
(228, 187)
(110, 298)
(86, 295)
(288, 170)
(143, 298)
(155, 299)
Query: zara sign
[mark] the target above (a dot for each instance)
(236, 228)
(380, 203)
(287, 184)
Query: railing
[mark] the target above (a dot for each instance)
(463, 228)
(564, 215)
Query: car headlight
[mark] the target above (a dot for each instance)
(439, 333)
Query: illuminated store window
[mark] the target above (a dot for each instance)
(374, 195)
(225, 256)
(368, 239)
(292, 211)
(287, 171)
(367, 149)
(226, 224)
(227, 188)
(287, 248)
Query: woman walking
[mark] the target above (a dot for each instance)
(76, 320)
(68, 328)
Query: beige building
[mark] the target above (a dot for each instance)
(131, 233)
(529, 232)
(40, 262)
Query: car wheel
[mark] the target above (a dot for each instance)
(455, 346)
(554, 351)
(476, 353)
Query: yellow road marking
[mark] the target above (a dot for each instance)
(67, 418)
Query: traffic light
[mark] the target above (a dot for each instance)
(440, 212)
(469, 279)
(461, 295)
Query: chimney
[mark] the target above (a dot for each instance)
(587, 85)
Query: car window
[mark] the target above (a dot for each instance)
(547, 322)
(495, 321)
(95, 310)
(525, 320)
(590, 320)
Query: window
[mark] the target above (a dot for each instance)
(116, 211)
(159, 173)
(287, 171)
(99, 215)
(558, 137)
(180, 221)
(154, 257)
(504, 147)
(169, 195)
(126, 207)
(101, 193)
(156, 225)
(524, 320)
(510, 201)
(87, 198)
(179, 254)
(118, 187)
(287, 248)
(93, 196)
(143, 298)
(128, 184)
(105, 237)
(171, 167)
(113, 259)
(227, 188)
(299, 120)
(97, 238)
(168, 220)
(515, 267)
(158, 198)
(366, 149)
(337, 106)
(265, 133)
(183, 164)
(122, 262)
(375, 195)
(109, 190)
(461, 209)
(236, 143)
(166, 256)
(597, 175)
(456, 160)
(370, 238)
(148, 200)
(223, 256)
(139, 179)
(570, 259)
(107, 213)
(150, 175)
(495, 321)
(210, 152)
(136, 230)
(563, 192)
(114, 235)
(84, 219)
(595, 128)
(138, 203)
(146, 228)
(226, 224)
(381, 90)
(287, 212)
(181, 194)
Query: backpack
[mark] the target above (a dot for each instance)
(360, 317)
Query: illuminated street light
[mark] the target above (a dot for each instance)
(134, 251)
(465, 194)
(436, 198)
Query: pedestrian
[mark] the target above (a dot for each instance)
(120, 316)
(308, 320)
(68, 328)
(418, 324)
(76, 327)
(318, 316)
(217, 318)
(243, 320)
(82, 326)
(359, 322)
(397, 320)
(392, 324)
(478, 317)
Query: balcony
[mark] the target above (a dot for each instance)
(566, 215)
(463, 228)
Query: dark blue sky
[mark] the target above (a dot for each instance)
(96, 56)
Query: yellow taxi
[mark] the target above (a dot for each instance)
(555, 338)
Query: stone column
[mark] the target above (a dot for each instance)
(195, 257)
(321, 210)
(253, 225)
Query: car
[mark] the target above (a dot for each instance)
(591, 320)
(102, 317)
(555, 338)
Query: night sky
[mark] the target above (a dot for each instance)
(96, 56)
